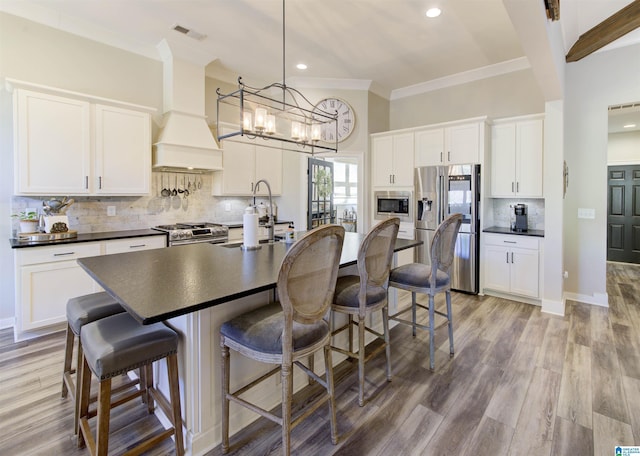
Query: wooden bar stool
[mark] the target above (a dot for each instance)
(80, 311)
(115, 345)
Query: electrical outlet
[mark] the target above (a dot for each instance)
(227, 207)
(586, 213)
(111, 211)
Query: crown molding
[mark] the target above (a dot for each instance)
(465, 77)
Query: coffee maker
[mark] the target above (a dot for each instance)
(521, 223)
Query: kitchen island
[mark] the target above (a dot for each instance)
(196, 288)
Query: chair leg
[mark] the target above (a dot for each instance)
(79, 361)
(361, 360)
(224, 366)
(287, 392)
(174, 387)
(431, 331)
(148, 384)
(311, 362)
(83, 402)
(328, 367)
(413, 311)
(385, 326)
(350, 330)
(450, 318)
(68, 355)
(104, 412)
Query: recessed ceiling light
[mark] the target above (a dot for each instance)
(629, 126)
(433, 12)
(301, 66)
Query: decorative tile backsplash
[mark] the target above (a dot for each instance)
(89, 214)
(503, 209)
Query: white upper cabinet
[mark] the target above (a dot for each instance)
(122, 151)
(517, 157)
(392, 160)
(73, 145)
(52, 144)
(456, 144)
(244, 164)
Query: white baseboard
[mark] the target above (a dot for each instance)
(597, 299)
(553, 307)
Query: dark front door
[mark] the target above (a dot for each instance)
(623, 218)
(320, 193)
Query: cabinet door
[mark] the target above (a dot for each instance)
(463, 144)
(52, 144)
(45, 290)
(382, 161)
(524, 272)
(238, 175)
(429, 147)
(503, 160)
(268, 166)
(529, 152)
(496, 268)
(403, 160)
(123, 151)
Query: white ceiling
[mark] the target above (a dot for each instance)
(388, 42)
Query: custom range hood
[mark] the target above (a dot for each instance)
(185, 141)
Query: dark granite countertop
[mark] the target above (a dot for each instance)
(88, 237)
(503, 230)
(155, 285)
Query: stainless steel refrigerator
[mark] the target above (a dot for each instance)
(441, 191)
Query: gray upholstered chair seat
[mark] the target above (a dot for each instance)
(347, 289)
(261, 330)
(85, 309)
(417, 275)
(117, 344)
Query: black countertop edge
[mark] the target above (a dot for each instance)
(503, 230)
(89, 237)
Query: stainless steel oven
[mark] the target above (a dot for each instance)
(193, 233)
(393, 204)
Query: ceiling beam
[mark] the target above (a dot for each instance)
(607, 31)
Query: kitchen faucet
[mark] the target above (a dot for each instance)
(270, 222)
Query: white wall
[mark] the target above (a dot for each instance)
(624, 148)
(592, 84)
(507, 95)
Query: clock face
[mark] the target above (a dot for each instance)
(346, 119)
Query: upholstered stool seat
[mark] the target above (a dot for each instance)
(80, 311)
(361, 295)
(116, 345)
(418, 275)
(261, 330)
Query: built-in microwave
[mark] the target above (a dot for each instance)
(393, 204)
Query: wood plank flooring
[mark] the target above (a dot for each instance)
(521, 383)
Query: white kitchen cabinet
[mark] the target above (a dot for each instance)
(456, 144)
(135, 244)
(52, 144)
(517, 158)
(48, 276)
(392, 160)
(122, 151)
(245, 162)
(67, 143)
(511, 264)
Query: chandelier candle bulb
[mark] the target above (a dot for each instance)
(261, 119)
(271, 124)
(316, 132)
(246, 121)
(296, 130)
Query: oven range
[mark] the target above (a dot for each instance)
(193, 233)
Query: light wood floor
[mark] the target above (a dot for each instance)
(521, 383)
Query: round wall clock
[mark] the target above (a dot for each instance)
(346, 119)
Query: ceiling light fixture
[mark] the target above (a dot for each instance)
(434, 12)
(301, 66)
(629, 126)
(277, 112)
